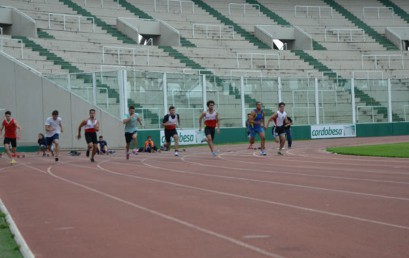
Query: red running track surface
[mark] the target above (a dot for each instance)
(307, 203)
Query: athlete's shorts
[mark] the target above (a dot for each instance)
(273, 132)
(51, 139)
(256, 130)
(170, 133)
(279, 130)
(91, 137)
(128, 136)
(10, 141)
(209, 131)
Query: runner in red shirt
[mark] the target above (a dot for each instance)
(211, 121)
(10, 127)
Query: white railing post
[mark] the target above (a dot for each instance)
(204, 88)
(243, 107)
(390, 118)
(279, 87)
(317, 104)
(165, 93)
(353, 100)
(94, 89)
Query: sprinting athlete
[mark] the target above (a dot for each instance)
(211, 121)
(280, 118)
(131, 129)
(10, 126)
(170, 122)
(256, 126)
(91, 128)
(53, 129)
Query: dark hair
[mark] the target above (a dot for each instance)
(149, 137)
(7, 113)
(281, 104)
(91, 110)
(132, 107)
(55, 112)
(171, 107)
(210, 102)
(258, 102)
(100, 136)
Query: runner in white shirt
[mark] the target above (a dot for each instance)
(280, 118)
(53, 129)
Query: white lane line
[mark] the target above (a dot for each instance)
(332, 165)
(256, 236)
(256, 199)
(167, 217)
(23, 246)
(276, 183)
(296, 174)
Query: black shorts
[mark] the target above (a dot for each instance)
(128, 137)
(170, 133)
(10, 141)
(91, 137)
(279, 130)
(209, 131)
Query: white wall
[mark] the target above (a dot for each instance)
(31, 99)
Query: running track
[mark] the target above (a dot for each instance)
(308, 203)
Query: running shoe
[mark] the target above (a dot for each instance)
(214, 154)
(56, 159)
(176, 154)
(280, 153)
(263, 153)
(12, 162)
(127, 155)
(92, 160)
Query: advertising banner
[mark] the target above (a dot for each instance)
(186, 136)
(332, 131)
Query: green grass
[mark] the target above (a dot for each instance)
(8, 246)
(395, 150)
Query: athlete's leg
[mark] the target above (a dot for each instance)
(7, 149)
(94, 150)
(135, 140)
(176, 138)
(282, 141)
(57, 148)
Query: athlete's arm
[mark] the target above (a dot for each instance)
(18, 127)
(200, 120)
(165, 120)
(62, 129)
(217, 122)
(178, 121)
(84, 122)
(252, 116)
(126, 120)
(271, 119)
(97, 126)
(287, 122)
(140, 121)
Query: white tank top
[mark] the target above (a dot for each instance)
(280, 118)
(90, 126)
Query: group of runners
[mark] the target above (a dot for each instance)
(171, 122)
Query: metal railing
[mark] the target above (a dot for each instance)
(264, 56)
(102, 3)
(295, 117)
(406, 107)
(118, 53)
(256, 6)
(76, 17)
(367, 74)
(308, 7)
(181, 2)
(247, 73)
(218, 27)
(13, 40)
(143, 111)
(372, 108)
(378, 8)
(376, 59)
(197, 71)
(89, 94)
(338, 31)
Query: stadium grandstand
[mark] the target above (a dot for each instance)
(331, 62)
